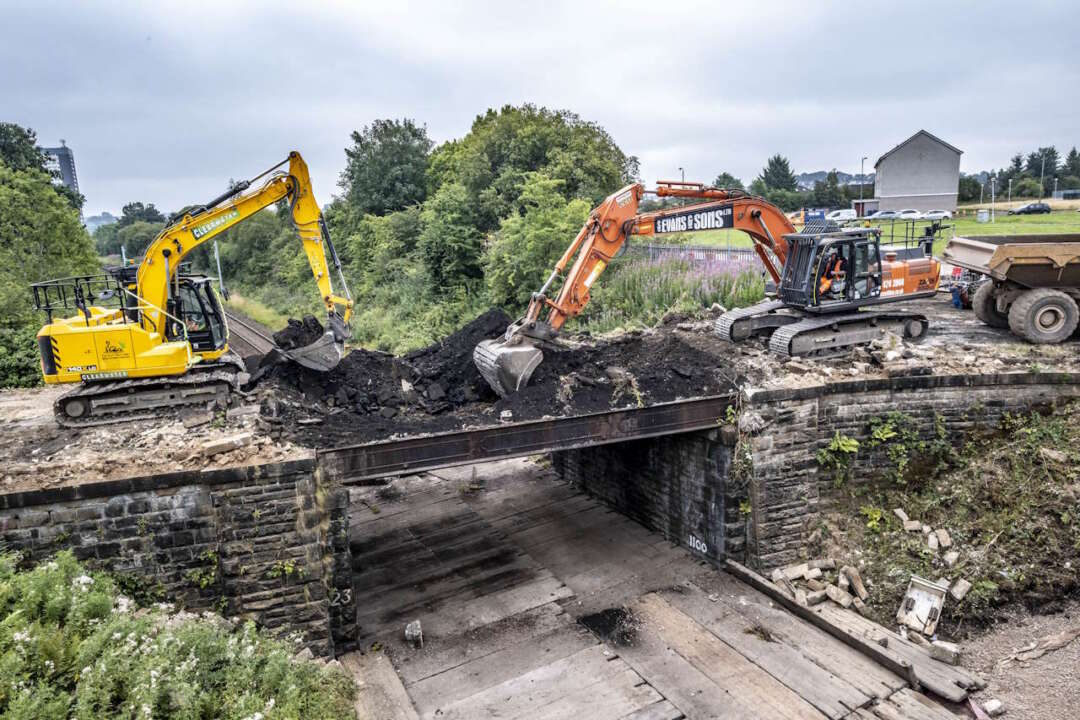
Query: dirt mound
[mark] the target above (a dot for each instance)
(634, 369)
(446, 370)
(372, 395)
(299, 333)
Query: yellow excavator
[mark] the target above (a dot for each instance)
(151, 338)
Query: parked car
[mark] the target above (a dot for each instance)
(937, 215)
(909, 215)
(841, 215)
(1035, 208)
(883, 215)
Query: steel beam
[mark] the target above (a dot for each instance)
(412, 455)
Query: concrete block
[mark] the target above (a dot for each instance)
(839, 596)
(198, 419)
(800, 597)
(960, 588)
(951, 558)
(932, 542)
(926, 529)
(815, 585)
(946, 652)
(943, 537)
(823, 564)
(899, 512)
(216, 446)
(912, 525)
(994, 707)
(793, 572)
(816, 597)
(855, 579)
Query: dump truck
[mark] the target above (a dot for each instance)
(1033, 282)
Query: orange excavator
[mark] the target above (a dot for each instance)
(823, 278)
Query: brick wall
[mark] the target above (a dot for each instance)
(267, 542)
(687, 486)
(674, 484)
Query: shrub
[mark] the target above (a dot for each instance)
(635, 291)
(71, 646)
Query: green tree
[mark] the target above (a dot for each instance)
(41, 237)
(829, 194)
(386, 166)
(1072, 164)
(968, 190)
(135, 212)
(777, 174)
(1037, 168)
(19, 149)
(527, 245)
(728, 181)
(1027, 188)
(1070, 182)
(492, 160)
(449, 244)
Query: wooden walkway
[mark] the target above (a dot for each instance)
(538, 602)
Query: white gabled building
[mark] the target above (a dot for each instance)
(921, 173)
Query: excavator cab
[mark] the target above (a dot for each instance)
(831, 271)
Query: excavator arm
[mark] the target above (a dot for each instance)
(157, 276)
(508, 363)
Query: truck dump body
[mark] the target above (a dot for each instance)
(1033, 261)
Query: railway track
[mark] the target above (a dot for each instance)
(246, 337)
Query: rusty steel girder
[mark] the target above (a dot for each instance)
(356, 463)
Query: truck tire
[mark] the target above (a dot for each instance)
(985, 306)
(1044, 316)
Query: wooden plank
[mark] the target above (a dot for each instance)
(603, 700)
(662, 710)
(818, 646)
(914, 705)
(728, 670)
(536, 689)
(458, 617)
(935, 675)
(413, 665)
(380, 693)
(830, 693)
(484, 672)
(889, 659)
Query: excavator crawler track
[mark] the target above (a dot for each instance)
(836, 334)
(106, 403)
(742, 323)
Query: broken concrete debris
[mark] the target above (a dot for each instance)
(856, 581)
(932, 542)
(946, 652)
(912, 525)
(839, 596)
(414, 635)
(822, 564)
(943, 537)
(960, 588)
(994, 707)
(899, 512)
(951, 558)
(216, 446)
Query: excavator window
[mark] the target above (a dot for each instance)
(833, 270)
(200, 314)
(867, 273)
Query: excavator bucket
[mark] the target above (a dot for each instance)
(507, 367)
(325, 353)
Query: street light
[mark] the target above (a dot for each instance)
(1055, 187)
(1042, 174)
(1010, 189)
(862, 177)
(993, 187)
(682, 173)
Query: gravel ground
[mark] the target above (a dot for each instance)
(1047, 688)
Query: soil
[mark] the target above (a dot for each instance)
(372, 395)
(1044, 687)
(299, 333)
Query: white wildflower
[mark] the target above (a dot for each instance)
(21, 636)
(82, 582)
(123, 604)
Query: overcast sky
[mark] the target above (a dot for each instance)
(165, 102)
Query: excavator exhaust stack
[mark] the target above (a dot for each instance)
(507, 365)
(325, 353)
